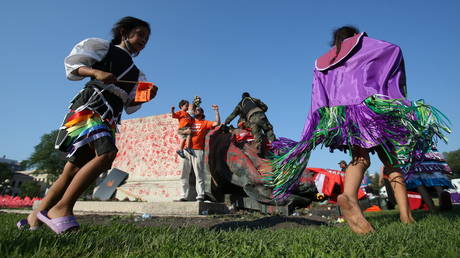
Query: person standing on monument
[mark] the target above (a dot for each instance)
(184, 115)
(200, 127)
(252, 111)
(87, 134)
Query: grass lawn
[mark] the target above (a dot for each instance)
(434, 235)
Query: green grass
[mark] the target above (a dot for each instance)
(434, 235)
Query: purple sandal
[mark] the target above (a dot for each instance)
(24, 224)
(58, 225)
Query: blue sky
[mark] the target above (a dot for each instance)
(218, 49)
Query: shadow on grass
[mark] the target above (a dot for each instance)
(277, 222)
(452, 214)
(418, 215)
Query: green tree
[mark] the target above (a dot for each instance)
(375, 183)
(5, 172)
(46, 159)
(31, 189)
(453, 159)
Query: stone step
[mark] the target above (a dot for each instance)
(153, 208)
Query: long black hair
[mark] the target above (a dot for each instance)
(339, 35)
(124, 26)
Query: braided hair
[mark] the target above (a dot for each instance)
(339, 35)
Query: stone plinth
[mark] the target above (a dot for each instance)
(147, 151)
(153, 208)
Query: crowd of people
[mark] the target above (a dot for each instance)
(358, 104)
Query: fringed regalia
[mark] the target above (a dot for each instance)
(428, 169)
(358, 99)
(96, 110)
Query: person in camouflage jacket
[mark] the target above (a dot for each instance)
(252, 111)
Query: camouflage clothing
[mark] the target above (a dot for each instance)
(258, 122)
(246, 108)
(253, 111)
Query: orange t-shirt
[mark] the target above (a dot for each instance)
(199, 130)
(184, 118)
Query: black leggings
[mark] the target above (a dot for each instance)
(445, 202)
(391, 194)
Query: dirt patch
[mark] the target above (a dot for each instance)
(224, 222)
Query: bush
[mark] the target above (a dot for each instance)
(5, 172)
(31, 189)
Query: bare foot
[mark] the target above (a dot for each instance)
(32, 219)
(407, 219)
(353, 215)
(57, 213)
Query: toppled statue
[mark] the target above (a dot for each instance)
(234, 168)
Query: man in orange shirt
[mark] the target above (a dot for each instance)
(200, 128)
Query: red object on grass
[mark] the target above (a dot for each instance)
(373, 208)
(415, 200)
(330, 178)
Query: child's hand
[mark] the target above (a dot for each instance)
(215, 107)
(105, 77)
(153, 92)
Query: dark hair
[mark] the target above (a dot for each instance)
(202, 112)
(339, 35)
(124, 26)
(245, 95)
(183, 102)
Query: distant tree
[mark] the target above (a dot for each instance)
(45, 158)
(31, 189)
(5, 172)
(453, 159)
(375, 183)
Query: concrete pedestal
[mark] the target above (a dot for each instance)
(147, 151)
(153, 208)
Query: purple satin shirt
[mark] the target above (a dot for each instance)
(373, 67)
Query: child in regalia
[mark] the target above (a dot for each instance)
(87, 134)
(430, 171)
(359, 104)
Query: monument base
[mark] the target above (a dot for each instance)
(150, 191)
(153, 208)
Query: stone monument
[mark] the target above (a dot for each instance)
(147, 151)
